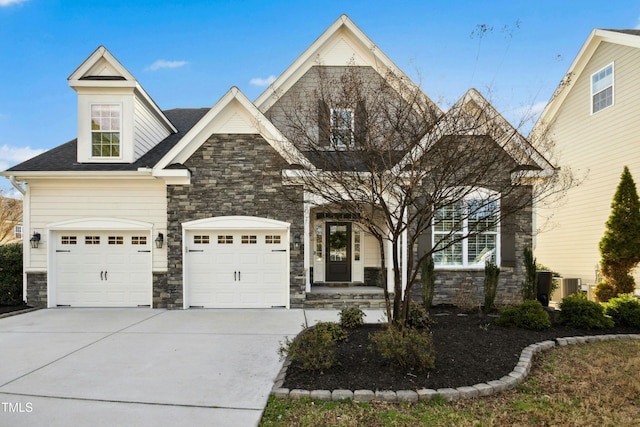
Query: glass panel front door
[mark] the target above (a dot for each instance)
(338, 259)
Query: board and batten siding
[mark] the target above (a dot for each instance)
(596, 147)
(56, 200)
(147, 129)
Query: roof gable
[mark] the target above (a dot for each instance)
(484, 120)
(233, 113)
(630, 38)
(102, 70)
(342, 44)
(100, 65)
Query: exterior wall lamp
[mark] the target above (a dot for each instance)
(35, 240)
(159, 240)
(296, 241)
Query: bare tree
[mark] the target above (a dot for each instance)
(10, 216)
(387, 156)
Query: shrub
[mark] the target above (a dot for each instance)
(605, 291)
(408, 347)
(620, 245)
(528, 315)
(418, 317)
(314, 348)
(11, 274)
(578, 312)
(336, 331)
(624, 310)
(351, 317)
(491, 274)
(428, 279)
(530, 284)
(466, 300)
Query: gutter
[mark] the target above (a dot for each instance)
(16, 185)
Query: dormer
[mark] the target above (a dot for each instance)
(118, 122)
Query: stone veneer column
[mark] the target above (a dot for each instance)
(36, 289)
(232, 175)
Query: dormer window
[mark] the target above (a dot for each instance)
(342, 123)
(106, 122)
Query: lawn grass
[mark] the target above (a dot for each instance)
(594, 384)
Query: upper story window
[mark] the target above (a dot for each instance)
(342, 123)
(602, 89)
(475, 217)
(105, 130)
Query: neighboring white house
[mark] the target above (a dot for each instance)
(593, 120)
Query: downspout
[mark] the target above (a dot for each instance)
(16, 185)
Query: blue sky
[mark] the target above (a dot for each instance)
(188, 54)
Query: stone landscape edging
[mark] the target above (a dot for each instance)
(509, 381)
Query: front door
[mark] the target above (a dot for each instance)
(338, 265)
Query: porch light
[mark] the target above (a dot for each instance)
(296, 241)
(159, 240)
(35, 240)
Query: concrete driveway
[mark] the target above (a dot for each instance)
(140, 367)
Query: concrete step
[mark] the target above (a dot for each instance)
(339, 304)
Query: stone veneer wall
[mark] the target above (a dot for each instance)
(233, 175)
(164, 296)
(372, 277)
(467, 286)
(37, 289)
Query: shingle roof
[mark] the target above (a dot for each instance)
(64, 157)
(632, 32)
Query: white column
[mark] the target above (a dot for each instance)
(404, 249)
(389, 262)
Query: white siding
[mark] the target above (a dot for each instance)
(148, 130)
(371, 251)
(597, 146)
(56, 200)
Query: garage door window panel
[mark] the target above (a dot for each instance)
(272, 239)
(249, 239)
(91, 240)
(201, 239)
(69, 240)
(116, 240)
(225, 240)
(138, 240)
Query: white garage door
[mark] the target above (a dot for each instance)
(103, 269)
(238, 269)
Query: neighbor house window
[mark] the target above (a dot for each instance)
(105, 130)
(17, 231)
(342, 122)
(602, 89)
(475, 218)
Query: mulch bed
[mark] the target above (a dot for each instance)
(9, 308)
(469, 349)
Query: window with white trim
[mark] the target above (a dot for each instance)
(476, 218)
(342, 124)
(17, 232)
(105, 130)
(602, 89)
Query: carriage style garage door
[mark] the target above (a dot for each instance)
(102, 268)
(237, 268)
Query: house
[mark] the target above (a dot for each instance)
(591, 119)
(200, 207)
(10, 220)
